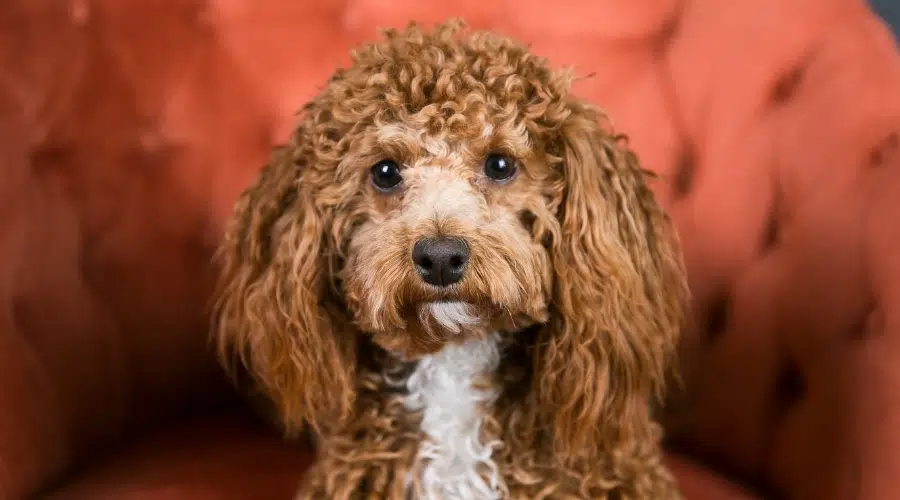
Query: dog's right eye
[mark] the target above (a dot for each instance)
(386, 175)
(499, 167)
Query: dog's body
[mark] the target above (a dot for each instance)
(458, 281)
(441, 428)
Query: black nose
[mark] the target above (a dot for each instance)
(441, 261)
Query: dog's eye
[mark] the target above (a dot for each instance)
(499, 167)
(386, 175)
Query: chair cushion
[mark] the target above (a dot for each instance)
(222, 457)
(231, 457)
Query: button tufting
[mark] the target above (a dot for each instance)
(47, 157)
(669, 30)
(718, 316)
(790, 387)
(885, 150)
(787, 85)
(772, 231)
(771, 234)
(684, 172)
(871, 321)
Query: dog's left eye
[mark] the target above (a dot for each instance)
(386, 175)
(499, 167)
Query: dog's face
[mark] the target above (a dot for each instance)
(444, 186)
(445, 247)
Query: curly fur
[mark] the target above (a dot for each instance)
(575, 279)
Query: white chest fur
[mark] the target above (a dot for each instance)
(453, 414)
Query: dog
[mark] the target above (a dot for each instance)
(456, 278)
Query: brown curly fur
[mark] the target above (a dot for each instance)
(583, 276)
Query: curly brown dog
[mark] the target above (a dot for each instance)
(457, 279)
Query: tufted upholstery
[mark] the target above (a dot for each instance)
(128, 128)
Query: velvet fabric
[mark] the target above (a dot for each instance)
(127, 129)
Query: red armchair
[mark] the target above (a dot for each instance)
(128, 128)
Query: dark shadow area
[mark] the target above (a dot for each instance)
(890, 11)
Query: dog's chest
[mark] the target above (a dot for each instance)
(456, 463)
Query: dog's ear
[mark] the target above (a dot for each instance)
(618, 299)
(273, 318)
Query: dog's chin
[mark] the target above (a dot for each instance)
(430, 326)
(449, 318)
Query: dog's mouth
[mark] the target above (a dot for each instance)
(430, 325)
(452, 316)
(450, 295)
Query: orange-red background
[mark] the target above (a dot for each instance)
(127, 128)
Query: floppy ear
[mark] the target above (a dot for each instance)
(618, 298)
(272, 313)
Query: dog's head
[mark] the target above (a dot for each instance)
(445, 186)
